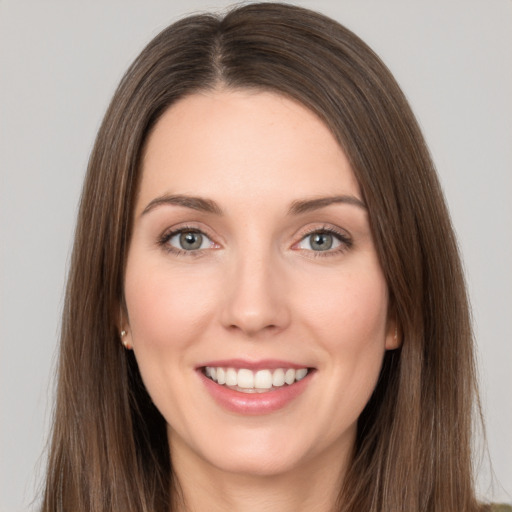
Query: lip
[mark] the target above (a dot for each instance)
(263, 364)
(253, 404)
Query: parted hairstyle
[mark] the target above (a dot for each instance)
(109, 450)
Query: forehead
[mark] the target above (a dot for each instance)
(243, 143)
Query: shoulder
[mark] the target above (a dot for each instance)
(501, 508)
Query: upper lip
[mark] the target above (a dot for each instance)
(262, 364)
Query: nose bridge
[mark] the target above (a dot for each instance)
(255, 296)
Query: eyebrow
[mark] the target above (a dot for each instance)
(194, 203)
(209, 206)
(309, 205)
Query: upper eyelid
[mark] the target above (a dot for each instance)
(345, 239)
(343, 233)
(170, 233)
(181, 228)
(304, 232)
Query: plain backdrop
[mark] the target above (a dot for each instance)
(60, 62)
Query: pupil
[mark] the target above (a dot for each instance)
(321, 242)
(191, 240)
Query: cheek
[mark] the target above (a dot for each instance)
(168, 310)
(166, 307)
(349, 310)
(348, 322)
(349, 325)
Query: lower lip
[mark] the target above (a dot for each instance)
(255, 403)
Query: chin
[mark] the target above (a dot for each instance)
(260, 452)
(259, 464)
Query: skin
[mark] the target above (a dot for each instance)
(255, 290)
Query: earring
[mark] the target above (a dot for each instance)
(396, 334)
(127, 346)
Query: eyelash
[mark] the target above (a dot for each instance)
(345, 241)
(163, 241)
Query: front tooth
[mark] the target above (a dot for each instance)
(278, 378)
(300, 374)
(221, 376)
(231, 377)
(289, 376)
(245, 379)
(263, 379)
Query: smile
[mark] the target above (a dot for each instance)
(255, 388)
(248, 381)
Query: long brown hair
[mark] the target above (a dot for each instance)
(109, 449)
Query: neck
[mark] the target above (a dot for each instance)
(314, 485)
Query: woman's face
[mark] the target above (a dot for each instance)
(251, 263)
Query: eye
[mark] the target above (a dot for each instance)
(187, 240)
(324, 240)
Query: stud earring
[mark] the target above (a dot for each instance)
(125, 343)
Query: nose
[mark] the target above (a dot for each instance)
(256, 299)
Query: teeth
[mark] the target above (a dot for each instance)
(245, 379)
(248, 380)
(278, 378)
(289, 376)
(300, 374)
(221, 376)
(263, 379)
(231, 379)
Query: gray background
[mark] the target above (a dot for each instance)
(59, 64)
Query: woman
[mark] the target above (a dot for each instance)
(266, 307)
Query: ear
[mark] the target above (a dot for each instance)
(123, 327)
(126, 339)
(393, 335)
